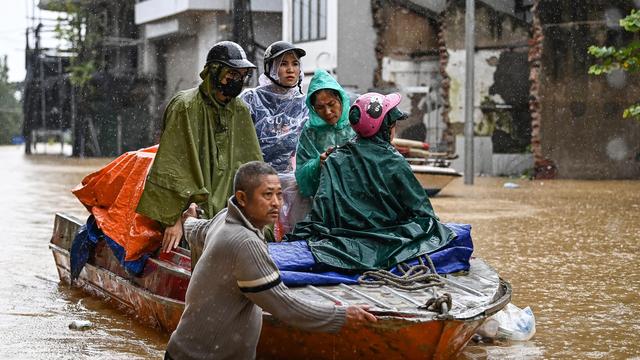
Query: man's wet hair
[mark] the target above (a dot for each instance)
(249, 176)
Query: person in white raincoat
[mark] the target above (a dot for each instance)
(279, 112)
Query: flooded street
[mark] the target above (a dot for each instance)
(35, 311)
(569, 248)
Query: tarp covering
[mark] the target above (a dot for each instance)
(85, 242)
(370, 211)
(298, 266)
(111, 195)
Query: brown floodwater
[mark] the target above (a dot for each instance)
(569, 248)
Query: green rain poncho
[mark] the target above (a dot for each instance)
(202, 145)
(317, 135)
(370, 211)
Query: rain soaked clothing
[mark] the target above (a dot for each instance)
(317, 135)
(278, 115)
(202, 145)
(370, 212)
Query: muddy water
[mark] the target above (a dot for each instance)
(569, 248)
(35, 310)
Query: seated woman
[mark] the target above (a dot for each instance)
(328, 127)
(370, 211)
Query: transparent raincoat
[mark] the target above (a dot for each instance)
(278, 114)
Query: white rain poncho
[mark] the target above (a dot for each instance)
(278, 114)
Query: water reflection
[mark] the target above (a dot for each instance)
(569, 248)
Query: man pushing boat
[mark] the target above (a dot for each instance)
(235, 278)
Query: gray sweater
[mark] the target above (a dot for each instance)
(234, 279)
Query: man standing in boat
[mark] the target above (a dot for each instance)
(235, 277)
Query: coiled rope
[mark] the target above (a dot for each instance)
(415, 277)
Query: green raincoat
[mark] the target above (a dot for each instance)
(202, 145)
(317, 135)
(370, 211)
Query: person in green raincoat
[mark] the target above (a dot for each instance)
(370, 212)
(207, 134)
(327, 128)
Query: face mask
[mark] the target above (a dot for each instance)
(232, 88)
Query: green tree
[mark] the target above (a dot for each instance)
(625, 58)
(81, 28)
(10, 109)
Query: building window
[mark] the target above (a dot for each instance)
(309, 20)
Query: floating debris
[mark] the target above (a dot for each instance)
(510, 185)
(80, 325)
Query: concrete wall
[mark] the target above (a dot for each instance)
(582, 127)
(485, 68)
(181, 61)
(356, 58)
(178, 53)
(492, 28)
(496, 33)
(322, 54)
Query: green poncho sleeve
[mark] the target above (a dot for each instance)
(202, 145)
(175, 177)
(307, 164)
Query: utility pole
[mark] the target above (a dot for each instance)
(469, 27)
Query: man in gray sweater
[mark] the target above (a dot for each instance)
(235, 278)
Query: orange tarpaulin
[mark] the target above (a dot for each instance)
(112, 193)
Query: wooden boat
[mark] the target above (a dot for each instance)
(434, 178)
(403, 330)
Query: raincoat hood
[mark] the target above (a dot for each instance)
(323, 80)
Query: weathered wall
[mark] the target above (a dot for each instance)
(181, 65)
(501, 41)
(582, 127)
(407, 61)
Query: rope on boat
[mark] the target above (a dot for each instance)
(415, 277)
(441, 305)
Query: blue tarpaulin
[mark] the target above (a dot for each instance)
(298, 266)
(294, 259)
(85, 242)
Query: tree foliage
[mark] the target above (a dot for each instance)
(10, 109)
(79, 16)
(625, 58)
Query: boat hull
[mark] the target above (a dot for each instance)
(432, 178)
(393, 336)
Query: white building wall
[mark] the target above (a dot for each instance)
(356, 57)
(181, 64)
(321, 54)
(181, 42)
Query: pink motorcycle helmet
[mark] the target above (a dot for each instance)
(368, 111)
